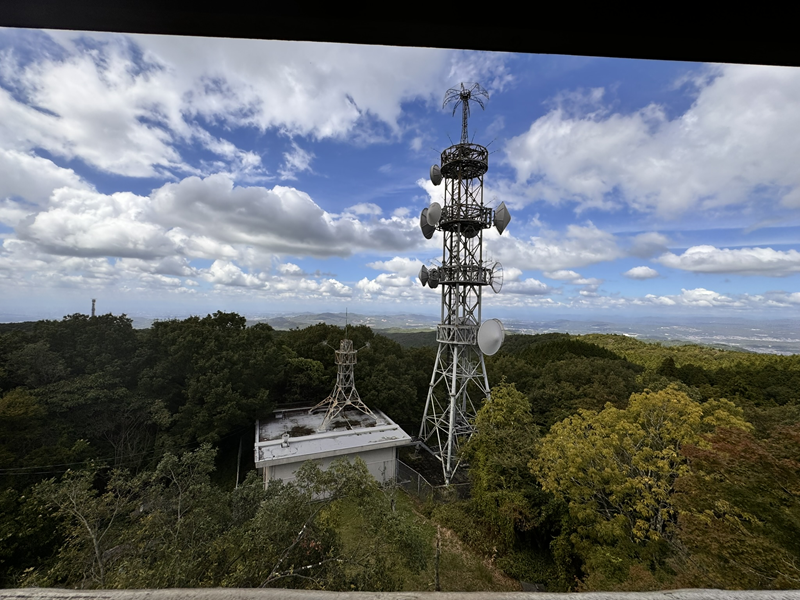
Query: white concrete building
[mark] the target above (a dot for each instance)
(288, 438)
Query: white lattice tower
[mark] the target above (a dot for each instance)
(344, 393)
(459, 380)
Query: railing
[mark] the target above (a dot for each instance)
(414, 483)
(457, 334)
(467, 160)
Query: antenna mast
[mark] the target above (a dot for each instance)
(459, 374)
(344, 392)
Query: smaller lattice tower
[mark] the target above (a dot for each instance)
(93, 301)
(344, 393)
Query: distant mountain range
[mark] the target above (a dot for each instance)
(781, 336)
(778, 336)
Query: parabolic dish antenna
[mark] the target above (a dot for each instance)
(491, 336)
(434, 214)
(423, 275)
(433, 278)
(501, 218)
(427, 230)
(436, 175)
(496, 280)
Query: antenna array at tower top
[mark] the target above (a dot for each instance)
(462, 96)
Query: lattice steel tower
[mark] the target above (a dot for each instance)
(459, 380)
(344, 393)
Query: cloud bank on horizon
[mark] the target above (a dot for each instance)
(169, 175)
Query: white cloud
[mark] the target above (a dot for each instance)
(661, 300)
(124, 103)
(295, 161)
(207, 218)
(96, 107)
(33, 179)
(741, 261)
(291, 270)
(562, 275)
(309, 89)
(394, 288)
(409, 267)
(580, 246)
(489, 68)
(86, 223)
(401, 212)
(223, 272)
(642, 272)
(281, 220)
(706, 298)
(740, 133)
(648, 244)
(527, 287)
(364, 208)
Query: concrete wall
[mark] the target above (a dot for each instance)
(280, 594)
(380, 462)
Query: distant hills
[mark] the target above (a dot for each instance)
(772, 336)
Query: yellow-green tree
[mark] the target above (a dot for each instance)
(616, 469)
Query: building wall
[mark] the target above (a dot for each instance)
(381, 464)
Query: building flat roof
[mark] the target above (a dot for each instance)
(352, 431)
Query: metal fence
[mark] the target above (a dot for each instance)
(414, 483)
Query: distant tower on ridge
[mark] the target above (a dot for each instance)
(93, 301)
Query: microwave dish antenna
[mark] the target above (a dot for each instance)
(496, 278)
(436, 175)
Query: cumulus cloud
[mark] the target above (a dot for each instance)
(527, 287)
(86, 223)
(642, 272)
(32, 178)
(562, 275)
(646, 245)
(730, 142)
(97, 107)
(741, 261)
(552, 252)
(156, 236)
(281, 220)
(408, 267)
(291, 270)
(125, 103)
(391, 287)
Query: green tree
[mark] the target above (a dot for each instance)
(91, 521)
(503, 487)
(180, 517)
(616, 470)
(739, 521)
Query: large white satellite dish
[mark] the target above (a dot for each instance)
(490, 336)
(434, 214)
(436, 175)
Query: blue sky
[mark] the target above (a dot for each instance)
(173, 176)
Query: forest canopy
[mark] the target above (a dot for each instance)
(600, 462)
